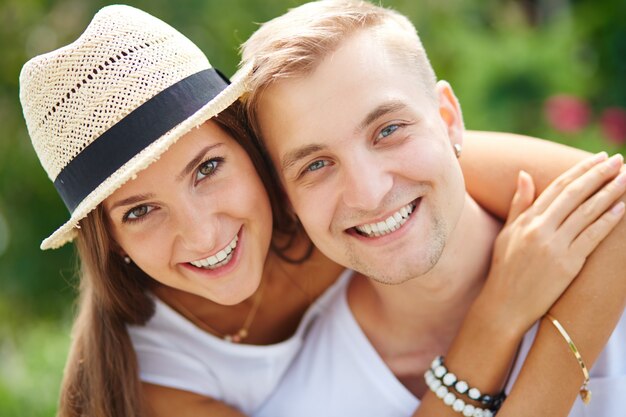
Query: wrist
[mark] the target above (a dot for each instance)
(458, 393)
(496, 317)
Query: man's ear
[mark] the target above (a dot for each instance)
(450, 112)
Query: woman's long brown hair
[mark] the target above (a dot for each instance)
(101, 376)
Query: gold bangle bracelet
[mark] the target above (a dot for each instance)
(585, 393)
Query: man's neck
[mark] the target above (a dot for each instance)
(419, 318)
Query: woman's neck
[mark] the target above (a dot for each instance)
(287, 290)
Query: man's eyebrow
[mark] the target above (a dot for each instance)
(381, 110)
(131, 200)
(299, 153)
(195, 161)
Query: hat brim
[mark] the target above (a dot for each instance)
(68, 231)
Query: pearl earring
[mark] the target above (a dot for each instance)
(457, 150)
(127, 260)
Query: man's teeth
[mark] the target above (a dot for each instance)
(221, 258)
(391, 223)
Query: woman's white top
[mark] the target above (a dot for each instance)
(339, 373)
(175, 353)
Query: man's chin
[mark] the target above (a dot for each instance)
(398, 270)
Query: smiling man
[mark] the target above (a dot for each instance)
(353, 149)
(365, 141)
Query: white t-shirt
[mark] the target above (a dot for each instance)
(339, 373)
(173, 352)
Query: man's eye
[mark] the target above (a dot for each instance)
(317, 165)
(387, 131)
(137, 212)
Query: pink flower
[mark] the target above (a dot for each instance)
(567, 113)
(613, 122)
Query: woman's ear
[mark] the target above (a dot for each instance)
(450, 112)
(117, 249)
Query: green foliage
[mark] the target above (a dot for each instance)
(32, 364)
(502, 64)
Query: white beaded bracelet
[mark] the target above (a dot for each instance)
(450, 380)
(451, 400)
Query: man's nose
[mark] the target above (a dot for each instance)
(366, 183)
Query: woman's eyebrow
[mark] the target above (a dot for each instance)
(131, 200)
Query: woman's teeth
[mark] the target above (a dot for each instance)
(221, 258)
(391, 223)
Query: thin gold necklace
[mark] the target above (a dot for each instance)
(237, 337)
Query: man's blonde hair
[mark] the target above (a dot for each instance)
(294, 44)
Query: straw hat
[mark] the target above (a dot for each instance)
(106, 106)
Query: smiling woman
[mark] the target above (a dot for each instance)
(174, 214)
(201, 203)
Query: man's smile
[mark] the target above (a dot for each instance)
(389, 225)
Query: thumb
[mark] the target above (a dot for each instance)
(523, 197)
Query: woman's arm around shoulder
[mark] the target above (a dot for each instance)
(589, 309)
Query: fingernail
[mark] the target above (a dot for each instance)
(621, 178)
(616, 160)
(618, 209)
(599, 157)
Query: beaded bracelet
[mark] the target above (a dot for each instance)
(451, 400)
(448, 379)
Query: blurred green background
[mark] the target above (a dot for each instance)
(549, 68)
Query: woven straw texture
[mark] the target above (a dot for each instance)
(73, 95)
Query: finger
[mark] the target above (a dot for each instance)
(591, 237)
(554, 189)
(575, 193)
(523, 198)
(591, 209)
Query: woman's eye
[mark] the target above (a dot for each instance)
(387, 131)
(137, 212)
(317, 165)
(208, 168)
